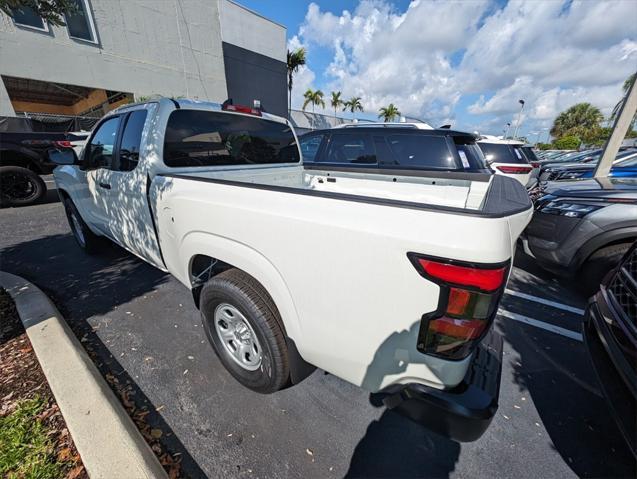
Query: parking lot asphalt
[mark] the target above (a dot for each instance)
(143, 327)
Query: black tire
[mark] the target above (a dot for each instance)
(241, 291)
(20, 186)
(85, 238)
(598, 265)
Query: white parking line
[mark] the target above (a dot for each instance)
(540, 324)
(545, 301)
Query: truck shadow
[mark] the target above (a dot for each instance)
(394, 446)
(95, 285)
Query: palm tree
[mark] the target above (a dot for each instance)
(315, 97)
(579, 120)
(336, 100)
(388, 113)
(296, 59)
(353, 104)
(625, 87)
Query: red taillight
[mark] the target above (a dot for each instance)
(535, 164)
(515, 170)
(482, 278)
(63, 144)
(242, 109)
(469, 296)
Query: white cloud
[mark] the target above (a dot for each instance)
(552, 54)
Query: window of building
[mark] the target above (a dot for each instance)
(27, 17)
(80, 22)
(206, 138)
(131, 141)
(351, 148)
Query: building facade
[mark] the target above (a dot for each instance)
(111, 52)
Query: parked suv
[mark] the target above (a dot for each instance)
(508, 158)
(398, 146)
(583, 227)
(610, 332)
(23, 157)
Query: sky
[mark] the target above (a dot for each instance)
(464, 63)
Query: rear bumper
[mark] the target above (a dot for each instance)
(607, 361)
(464, 412)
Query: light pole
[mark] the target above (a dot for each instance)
(506, 130)
(548, 135)
(517, 125)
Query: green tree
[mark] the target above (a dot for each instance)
(389, 112)
(353, 105)
(313, 97)
(296, 60)
(336, 100)
(579, 120)
(625, 88)
(51, 11)
(568, 142)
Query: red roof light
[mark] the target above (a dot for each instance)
(242, 109)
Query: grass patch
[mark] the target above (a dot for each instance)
(26, 447)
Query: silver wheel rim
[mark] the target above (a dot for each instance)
(77, 229)
(237, 336)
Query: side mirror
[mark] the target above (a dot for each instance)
(64, 156)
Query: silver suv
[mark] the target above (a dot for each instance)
(583, 227)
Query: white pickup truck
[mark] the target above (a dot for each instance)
(389, 280)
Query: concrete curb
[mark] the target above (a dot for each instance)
(105, 436)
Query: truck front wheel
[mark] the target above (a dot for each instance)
(85, 238)
(244, 328)
(20, 186)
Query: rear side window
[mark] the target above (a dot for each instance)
(208, 138)
(100, 150)
(470, 153)
(422, 151)
(502, 153)
(530, 154)
(131, 140)
(351, 148)
(310, 146)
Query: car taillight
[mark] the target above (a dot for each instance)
(535, 164)
(63, 144)
(469, 297)
(515, 170)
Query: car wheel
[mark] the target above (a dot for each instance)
(20, 186)
(85, 238)
(599, 264)
(244, 327)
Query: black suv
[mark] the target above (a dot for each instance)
(395, 147)
(610, 332)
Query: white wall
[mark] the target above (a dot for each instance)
(246, 29)
(166, 47)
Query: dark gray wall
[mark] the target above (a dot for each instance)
(251, 76)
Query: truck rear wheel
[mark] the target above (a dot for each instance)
(244, 328)
(20, 186)
(85, 238)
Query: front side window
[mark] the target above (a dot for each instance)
(351, 148)
(310, 146)
(208, 138)
(100, 149)
(28, 17)
(128, 154)
(422, 151)
(80, 22)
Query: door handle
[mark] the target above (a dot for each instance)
(105, 185)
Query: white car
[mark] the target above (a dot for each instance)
(507, 157)
(390, 282)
